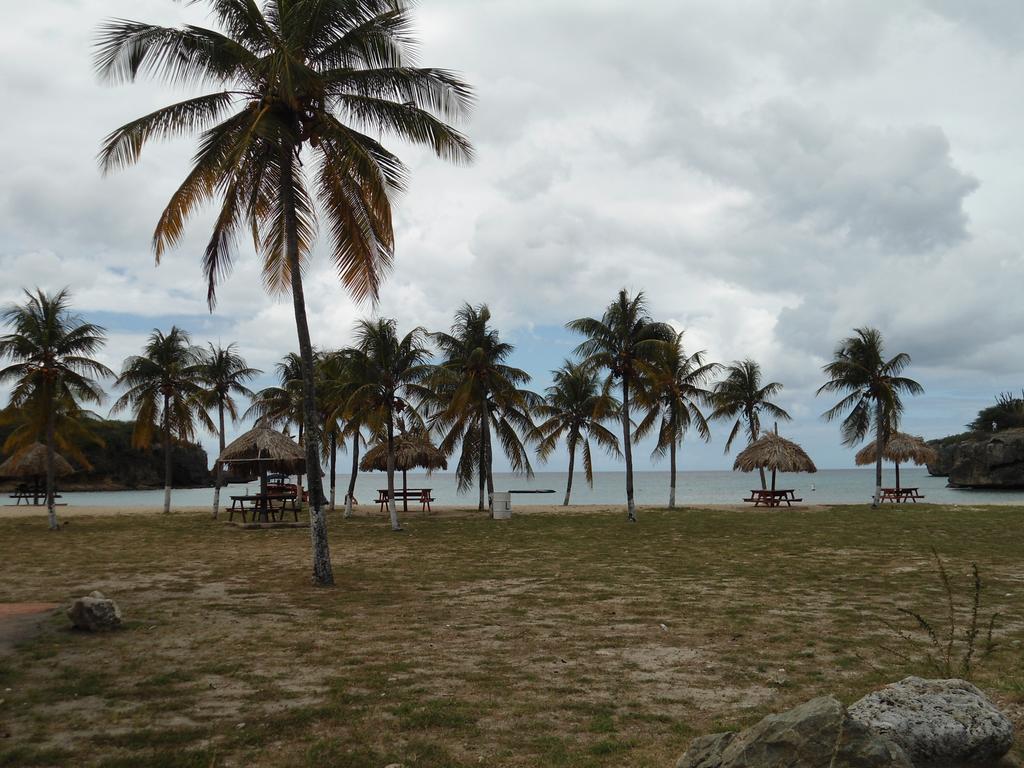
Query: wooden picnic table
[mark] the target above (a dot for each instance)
(768, 497)
(416, 495)
(36, 498)
(900, 495)
(263, 505)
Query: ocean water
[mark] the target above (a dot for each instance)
(833, 486)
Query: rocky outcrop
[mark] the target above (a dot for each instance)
(914, 723)
(937, 722)
(994, 460)
(946, 452)
(818, 734)
(118, 465)
(95, 613)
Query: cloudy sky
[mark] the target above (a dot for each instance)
(772, 174)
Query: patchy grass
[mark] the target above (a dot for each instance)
(574, 640)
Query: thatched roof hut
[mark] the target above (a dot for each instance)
(770, 451)
(267, 450)
(31, 462)
(412, 451)
(901, 448)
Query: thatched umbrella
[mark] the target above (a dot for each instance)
(413, 450)
(268, 451)
(899, 449)
(775, 453)
(31, 462)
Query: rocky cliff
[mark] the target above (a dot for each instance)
(116, 465)
(981, 460)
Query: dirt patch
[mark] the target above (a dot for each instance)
(20, 622)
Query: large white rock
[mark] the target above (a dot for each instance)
(95, 613)
(937, 722)
(817, 734)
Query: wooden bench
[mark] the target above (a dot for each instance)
(31, 497)
(761, 497)
(900, 495)
(255, 504)
(416, 495)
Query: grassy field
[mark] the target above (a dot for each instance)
(546, 641)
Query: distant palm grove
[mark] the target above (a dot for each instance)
(631, 376)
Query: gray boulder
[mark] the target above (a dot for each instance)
(818, 734)
(982, 460)
(937, 722)
(95, 613)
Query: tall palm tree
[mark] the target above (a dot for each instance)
(225, 373)
(299, 89)
(625, 341)
(165, 391)
(387, 371)
(742, 396)
(873, 389)
(354, 430)
(281, 406)
(345, 422)
(475, 395)
(51, 371)
(575, 406)
(672, 396)
(334, 387)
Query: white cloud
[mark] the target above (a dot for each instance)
(772, 176)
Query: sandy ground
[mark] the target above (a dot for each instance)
(367, 510)
(22, 621)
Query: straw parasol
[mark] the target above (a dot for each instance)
(268, 451)
(770, 451)
(413, 450)
(900, 448)
(31, 462)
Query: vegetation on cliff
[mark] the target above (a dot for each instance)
(1006, 413)
(115, 464)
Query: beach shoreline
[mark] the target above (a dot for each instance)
(371, 511)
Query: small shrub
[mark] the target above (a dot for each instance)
(948, 649)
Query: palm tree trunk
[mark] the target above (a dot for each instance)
(352, 478)
(298, 475)
(627, 451)
(322, 572)
(392, 510)
(753, 436)
(672, 476)
(488, 459)
(482, 469)
(877, 500)
(572, 463)
(168, 466)
(334, 467)
(51, 429)
(220, 467)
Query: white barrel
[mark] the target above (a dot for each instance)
(502, 502)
